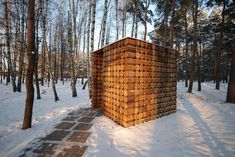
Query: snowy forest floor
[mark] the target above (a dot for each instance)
(202, 126)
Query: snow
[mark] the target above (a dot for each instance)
(46, 114)
(202, 126)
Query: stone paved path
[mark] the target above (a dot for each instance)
(68, 138)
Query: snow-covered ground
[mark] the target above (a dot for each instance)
(46, 114)
(202, 126)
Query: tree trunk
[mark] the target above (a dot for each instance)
(172, 24)
(7, 42)
(186, 47)
(123, 23)
(192, 74)
(104, 22)
(83, 51)
(227, 70)
(36, 63)
(145, 18)
(92, 37)
(50, 75)
(31, 64)
(62, 53)
(47, 55)
(55, 67)
(74, 76)
(88, 50)
(15, 53)
(164, 37)
(117, 26)
(1, 65)
(199, 69)
(231, 84)
(220, 50)
(7, 30)
(133, 25)
(22, 49)
(202, 65)
(43, 62)
(93, 24)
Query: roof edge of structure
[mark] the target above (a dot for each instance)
(122, 39)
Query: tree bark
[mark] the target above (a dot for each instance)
(88, 50)
(7, 42)
(145, 18)
(31, 64)
(83, 51)
(104, 22)
(219, 52)
(164, 37)
(133, 25)
(192, 74)
(93, 24)
(186, 47)
(231, 84)
(36, 62)
(117, 26)
(47, 53)
(92, 37)
(10, 74)
(199, 69)
(74, 49)
(1, 63)
(22, 49)
(172, 24)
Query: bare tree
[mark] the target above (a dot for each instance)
(9, 61)
(84, 46)
(88, 49)
(31, 65)
(73, 46)
(44, 8)
(22, 46)
(104, 21)
(36, 56)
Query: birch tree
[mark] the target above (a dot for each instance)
(44, 10)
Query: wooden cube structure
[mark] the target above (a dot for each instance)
(134, 81)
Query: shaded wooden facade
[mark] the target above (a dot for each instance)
(134, 81)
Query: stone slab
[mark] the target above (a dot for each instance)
(74, 151)
(65, 125)
(57, 135)
(71, 118)
(82, 127)
(90, 114)
(79, 137)
(45, 148)
(86, 119)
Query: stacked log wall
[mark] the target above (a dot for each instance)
(134, 81)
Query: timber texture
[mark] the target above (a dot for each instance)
(134, 81)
